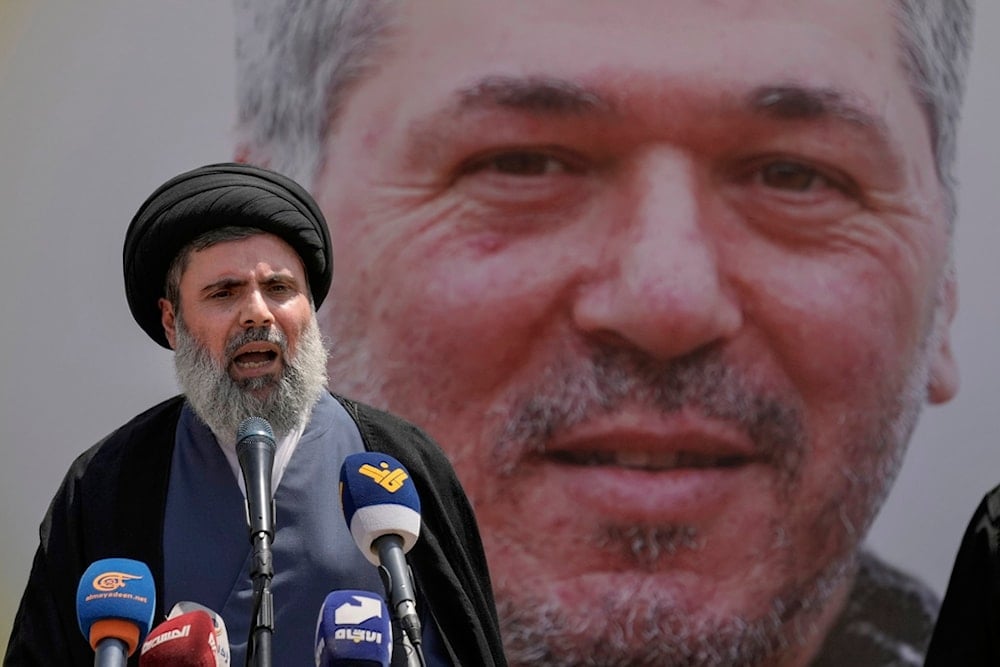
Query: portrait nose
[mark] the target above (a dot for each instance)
(661, 286)
(255, 311)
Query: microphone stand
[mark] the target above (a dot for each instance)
(262, 625)
(255, 450)
(110, 652)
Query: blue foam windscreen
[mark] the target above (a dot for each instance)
(115, 593)
(353, 628)
(378, 498)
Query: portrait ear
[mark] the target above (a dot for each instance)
(168, 319)
(942, 381)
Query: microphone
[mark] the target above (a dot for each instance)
(382, 509)
(115, 601)
(353, 630)
(255, 451)
(187, 640)
(221, 641)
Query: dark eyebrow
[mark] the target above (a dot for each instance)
(800, 102)
(224, 283)
(562, 98)
(276, 278)
(281, 278)
(531, 94)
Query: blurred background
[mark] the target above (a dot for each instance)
(101, 101)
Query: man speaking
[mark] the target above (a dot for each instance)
(226, 265)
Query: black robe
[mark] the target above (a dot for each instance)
(967, 632)
(111, 504)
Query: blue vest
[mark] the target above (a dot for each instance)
(207, 548)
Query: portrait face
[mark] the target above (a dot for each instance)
(233, 286)
(668, 281)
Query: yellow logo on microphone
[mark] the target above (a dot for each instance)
(390, 480)
(112, 581)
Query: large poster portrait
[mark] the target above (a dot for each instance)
(696, 297)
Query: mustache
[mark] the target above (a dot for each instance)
(605, 380)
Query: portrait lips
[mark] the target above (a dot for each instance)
(255, 353)
(638, 441)
(652, 468)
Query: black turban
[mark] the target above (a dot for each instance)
(211, 197)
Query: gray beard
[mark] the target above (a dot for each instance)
(222, 402)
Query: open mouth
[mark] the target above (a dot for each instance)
(255, 356)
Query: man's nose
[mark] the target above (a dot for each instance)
(255, 311)
(661, 286)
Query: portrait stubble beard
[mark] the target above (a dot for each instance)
(640, 624)
(648, 627)
(222, 402)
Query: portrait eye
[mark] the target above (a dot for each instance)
(521, 163)
(791, 176)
